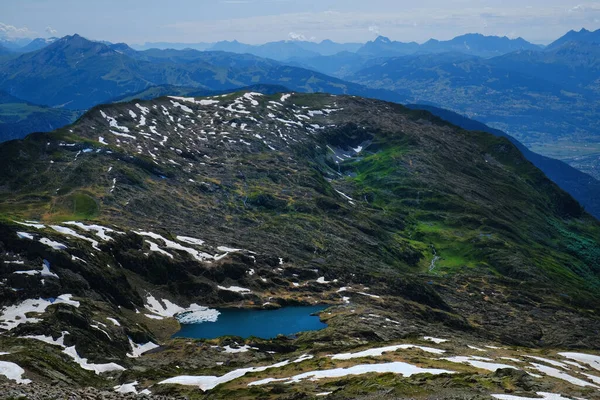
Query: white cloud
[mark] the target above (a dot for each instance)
(577, 8)
(296, 36)
(10, 31)
(374, 29)
(51, 31)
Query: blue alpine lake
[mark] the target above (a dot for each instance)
(265, 324)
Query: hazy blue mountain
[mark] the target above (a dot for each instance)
(4, 50)
(36, 44)
(328, 47)
(339, 65)
(168, 55)
(287, 49)
(384, 47)
(169, 45)
(73, 72)
(122, 48)
(76, 73)
(478, 44)
(6, 54)
(14, 44)
(280, 51)
(472, 43)
(582, 36)
(232, 46)
(283, 50)
(574, 65)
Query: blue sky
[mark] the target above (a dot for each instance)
(259, 21)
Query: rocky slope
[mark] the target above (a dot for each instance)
(145, 213)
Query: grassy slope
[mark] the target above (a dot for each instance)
(471, 196)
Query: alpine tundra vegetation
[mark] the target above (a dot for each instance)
(448, 266)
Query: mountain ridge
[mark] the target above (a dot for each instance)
(362, 205)
(111, 73)
(582, 36)
(580, 185)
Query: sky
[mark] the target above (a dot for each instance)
(260, 21)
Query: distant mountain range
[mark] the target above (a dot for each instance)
(171, 45)
(14, 44)
(543, 97)
(473, 43)
(4, 50)
(79, 74)
(582, 36)
(26, 45)
(285, 50)
(37, 44)
(548, 99)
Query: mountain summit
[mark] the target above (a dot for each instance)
(581, 36)
(478, 44)
(472, 44)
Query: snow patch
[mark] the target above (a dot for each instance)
(139, 349)
(97, 368)
(13, 372)
(15, 315)
(183, 107)
(589, 359)
(25, 235)
(555, 373)
(376, 352)
(72, 233)
(31, 224)
(99, 230)
(45, 271)
(199, 256)
(113, 122)
(435, 340)
(236, 289)
(205, 383)
(544, 396)
(72, 352)
(191, 315)
(401, 368)
(194, 101)
(190, 240)
(477, 363)
(130, 388)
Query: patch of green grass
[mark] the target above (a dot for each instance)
(79, 205)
